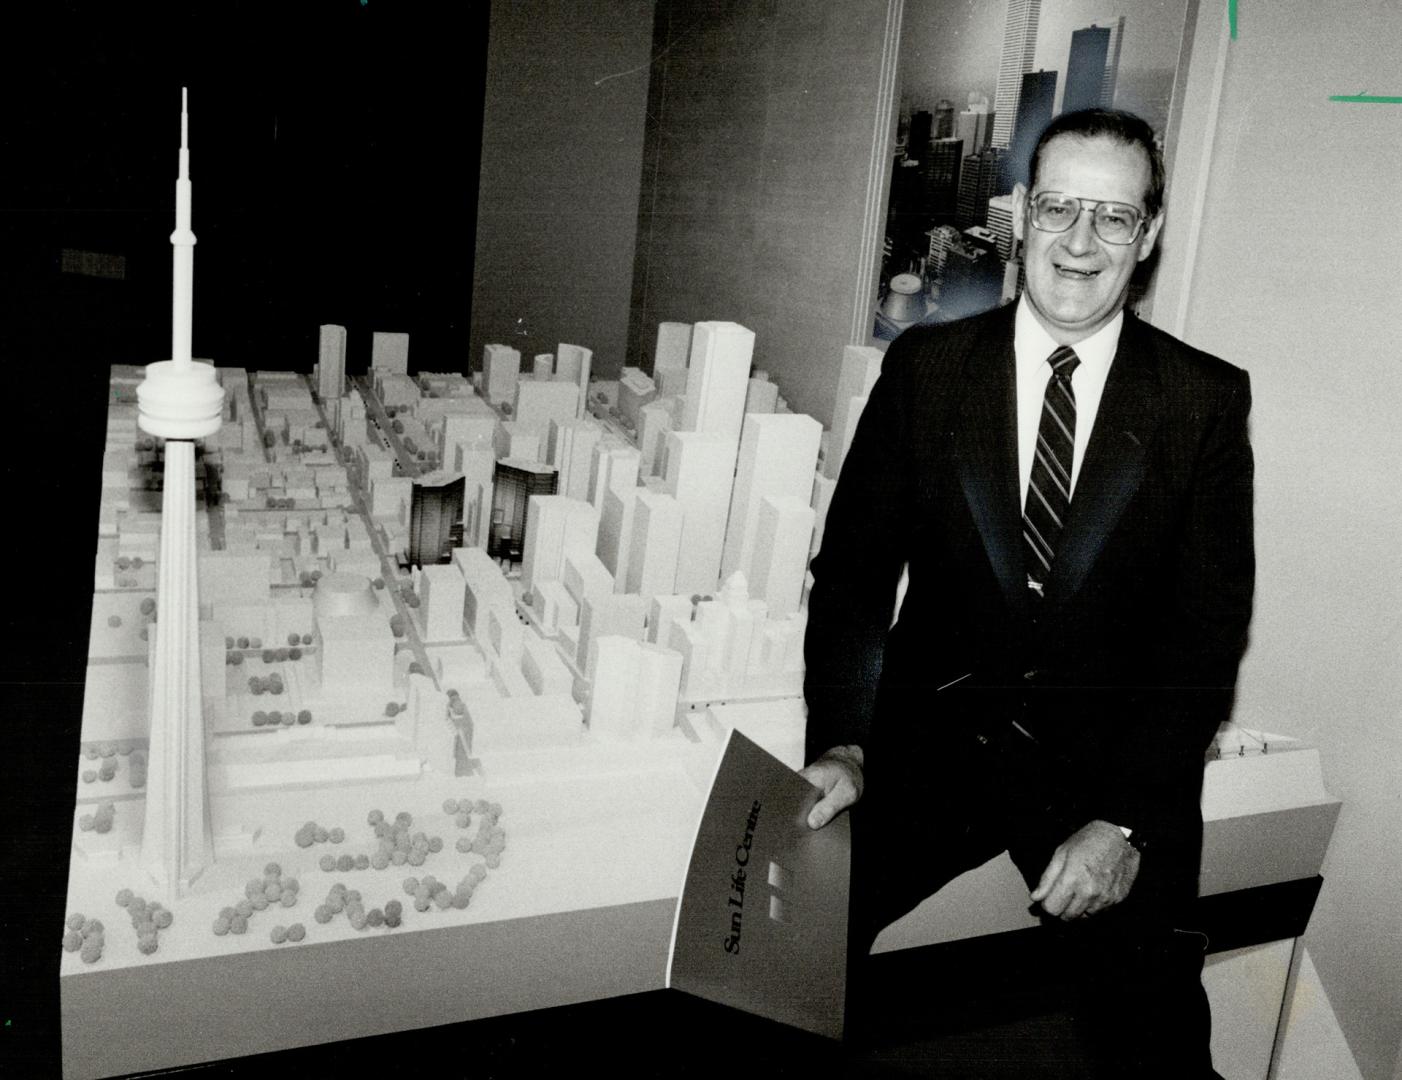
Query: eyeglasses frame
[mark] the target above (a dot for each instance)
(1087, 206)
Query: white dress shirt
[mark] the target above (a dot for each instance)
(1032, 346)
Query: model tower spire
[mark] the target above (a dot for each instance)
(179, 401)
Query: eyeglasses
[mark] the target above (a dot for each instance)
(1115, 223)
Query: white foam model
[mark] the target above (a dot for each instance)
(616, 534)
(442, 592)
(179, 400)
(718, 378)
(375, 462)
(391, 497)
(226, 576)
(700, 473)
(518, 442)
(542, 366)
(464, 431)
(778, 457)
(783, 535)
(555, 526)
(518, 724)
(664, 613)
(656, 544)
(613, 466)
(544, 670)
(669, 357)
(571, 450)
(573, 363)
(659, 686)
(762, 396)
(367, 710)
(555, 608)
(501, 370)
(635, 389)
(389, 352)
(613, 674)
(485, 589)
(600, 615)
(654, 421)
(861, 365)
(634, 688)
(541, 401)
(584, 576)
(331, 362)
(355, 655)
(395, 389)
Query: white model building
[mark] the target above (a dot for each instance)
(327, 678)
(573, 364)
(331, 363)
(718, 379)
(501, 370)
(669, 358)
(700, 473)
(555, 526)
(655, 549)
(614, 466)
(779, 563)
(180, 401)
(389, 352)
(635, 389)
(442, 592)
(778, 458)
(570, 449)
(542, 401)
(615, 542)
(861, 364)
(654, 421)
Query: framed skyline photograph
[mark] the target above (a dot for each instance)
(975, 87)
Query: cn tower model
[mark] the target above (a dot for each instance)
(179, 401)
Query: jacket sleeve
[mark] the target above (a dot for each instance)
(855, 573)
(1160, 756)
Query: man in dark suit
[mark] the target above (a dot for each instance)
(1070, 490)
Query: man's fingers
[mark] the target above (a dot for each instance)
(1061, 897)
(1049, 876)
(1078, 905)
(839, 798)
(839, 779)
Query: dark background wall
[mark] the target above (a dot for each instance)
(334, 158)
(760, 177)
(562, 145)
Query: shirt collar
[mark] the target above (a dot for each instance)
(1032, 344)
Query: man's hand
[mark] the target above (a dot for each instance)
(838, 774)
(1092, 870)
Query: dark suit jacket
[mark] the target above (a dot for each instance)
(1127, 666)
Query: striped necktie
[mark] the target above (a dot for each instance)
(1049, 489)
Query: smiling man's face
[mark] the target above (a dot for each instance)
(1076, 282)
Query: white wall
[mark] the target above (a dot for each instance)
(562, 143)
(1299, 279)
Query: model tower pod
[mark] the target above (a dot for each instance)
(179, 401)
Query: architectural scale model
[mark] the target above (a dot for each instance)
(426, 675)
(406, 653)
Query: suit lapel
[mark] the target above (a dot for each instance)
(1114, 465)
(985, 444)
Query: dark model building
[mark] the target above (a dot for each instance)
(513, 485)
(435, 518)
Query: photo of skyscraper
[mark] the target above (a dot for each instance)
(978, 84)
